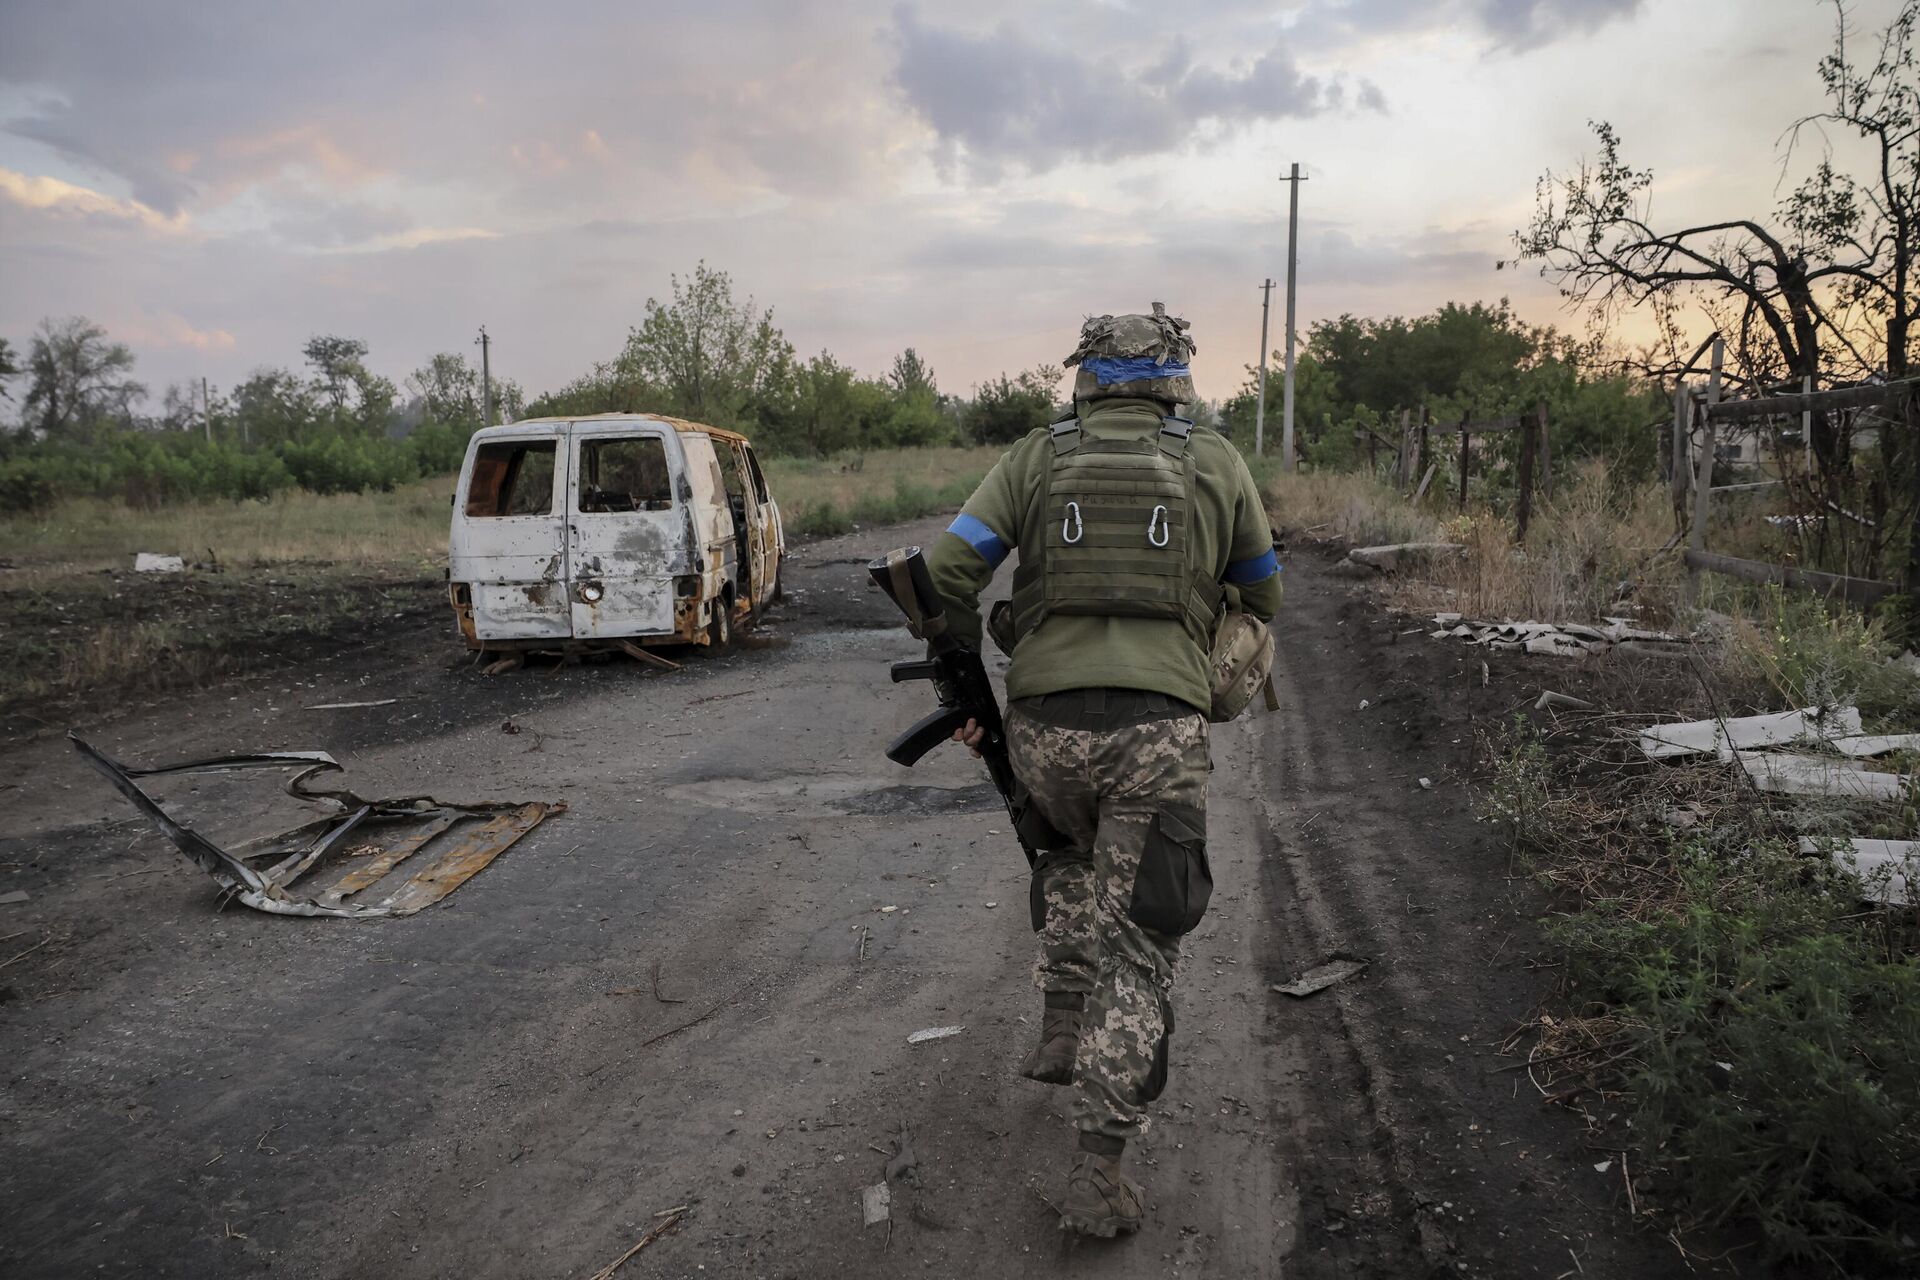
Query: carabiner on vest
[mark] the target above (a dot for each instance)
(1071, 520)
(1158, 535)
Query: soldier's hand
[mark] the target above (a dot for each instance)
(973, 735)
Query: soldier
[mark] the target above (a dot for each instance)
(1133, 525)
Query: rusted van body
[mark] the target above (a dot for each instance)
(617, 527)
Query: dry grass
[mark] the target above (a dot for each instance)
(1343, 505)
(827, 495)
(1593, 551)
(407, 527)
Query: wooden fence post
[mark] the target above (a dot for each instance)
(1421, 457)
(1911, 417)
(1465, 454)
(1405, 460)
(1703, 477)
(1677, 463)
(1546, 452)
(1530, 434)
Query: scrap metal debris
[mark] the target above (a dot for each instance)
(1550, 700)
(465, 838)
(933, 1033)
(1820, 776)
(875, 1204)
(1887, 868)
(1741, 738)
(1555, 639)
(1721, 737)
(12, 896)
(149, 562)
(1319, 978)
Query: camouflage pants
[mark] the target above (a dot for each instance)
(1121, 797)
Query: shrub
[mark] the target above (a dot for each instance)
(1777, 1052)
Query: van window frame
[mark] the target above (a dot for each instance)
(582, 442)
(552, 445)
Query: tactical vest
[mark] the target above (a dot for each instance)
(1117, 537)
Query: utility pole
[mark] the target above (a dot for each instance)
(1293, 179)
(486, 378)
(1260, 405)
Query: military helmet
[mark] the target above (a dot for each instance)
(1135, 355)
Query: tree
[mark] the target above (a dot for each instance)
(448, 387)
(1005, 409)
(9, 368)
(910, 376)
(337, 362)
(1823, 292)
(712, 359)
(77, 379)
(275, 407)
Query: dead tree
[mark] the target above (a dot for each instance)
(1820, 292)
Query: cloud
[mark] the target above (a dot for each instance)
(1513, 25)
(1002, 98)
(420, 237)
(1528, 24)
(52, 195)
(165, 329)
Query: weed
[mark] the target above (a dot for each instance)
(1518, 797)
(1810, 654)
(1776, 1050)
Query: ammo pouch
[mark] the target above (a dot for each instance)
(1239, 665)
(1000, 626)
(1171, 889)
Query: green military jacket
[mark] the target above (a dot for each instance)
(1069, 651)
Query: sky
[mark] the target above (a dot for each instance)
(214, 182)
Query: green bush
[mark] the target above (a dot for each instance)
(349, 464)
(1777, 1050)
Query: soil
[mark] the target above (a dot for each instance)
(163, 634)
(694, 990)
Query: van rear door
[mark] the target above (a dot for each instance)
(627, 518)
(509, 536)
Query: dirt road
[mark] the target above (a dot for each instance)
(696, 987)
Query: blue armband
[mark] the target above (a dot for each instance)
(975, 533)
(1254, 568)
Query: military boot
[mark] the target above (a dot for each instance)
(1051, 1061)
(1100, 1200)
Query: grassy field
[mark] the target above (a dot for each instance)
(300, 575)
(407, 528)
(820, 496)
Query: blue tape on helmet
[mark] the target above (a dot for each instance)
(1108, 370)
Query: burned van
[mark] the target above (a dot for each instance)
(571, 533)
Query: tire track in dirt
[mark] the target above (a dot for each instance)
(1420, 1156)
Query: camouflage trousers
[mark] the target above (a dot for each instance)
(1129, 877)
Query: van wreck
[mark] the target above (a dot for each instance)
(571, 534)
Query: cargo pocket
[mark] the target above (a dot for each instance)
(1156, 1082)
(1171, 889)
(1037, 892)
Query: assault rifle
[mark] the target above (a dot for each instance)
(960, 681)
